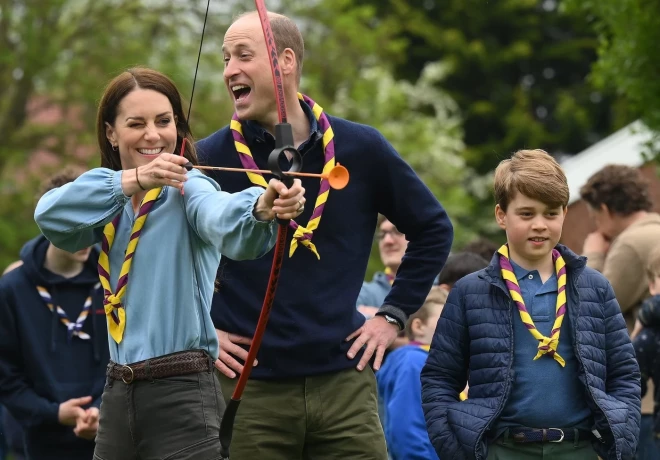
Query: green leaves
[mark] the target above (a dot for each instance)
(57, 55)
(423, 124)
(455, 85)
(514, 67)
(629, 33)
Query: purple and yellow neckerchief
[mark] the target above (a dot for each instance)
(302, 234)
(547, 345)
(114, 309)
(421, 345)
(389, 275)
(74, 328)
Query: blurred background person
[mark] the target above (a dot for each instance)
(627, 232)
(400, 388)
(646, 340)
(392, 246)
(53, 346)
(459, 265)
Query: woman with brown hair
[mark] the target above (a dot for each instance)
(162, 231)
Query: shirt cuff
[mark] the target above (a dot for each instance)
(257, 191)
(394, 312)
(116, 188)
(53, 414)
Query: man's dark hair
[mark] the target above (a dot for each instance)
(459, 265)
(482, 246)
(621, 188)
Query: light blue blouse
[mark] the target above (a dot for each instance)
(171, 282)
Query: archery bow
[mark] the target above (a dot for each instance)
(283, 144)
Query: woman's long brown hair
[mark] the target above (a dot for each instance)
(117, 89)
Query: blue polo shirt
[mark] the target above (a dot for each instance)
(543, 394)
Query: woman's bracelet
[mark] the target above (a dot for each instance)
(138, 180)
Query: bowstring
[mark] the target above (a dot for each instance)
(199, 55)
(192, 252)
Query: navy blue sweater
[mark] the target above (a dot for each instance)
(314, 309)
(39, 367)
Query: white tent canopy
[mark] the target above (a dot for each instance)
(627, 146)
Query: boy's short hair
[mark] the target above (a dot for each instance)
(459, 265)
(653, 266)
(535, 174)
(623, 189)
(482, 246)
(436, 298)
(66, 175)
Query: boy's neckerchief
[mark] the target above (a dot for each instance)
(547, 345)
(389, 275)
(73, 328)
(421, 345)
(114, 309)
(302, 235)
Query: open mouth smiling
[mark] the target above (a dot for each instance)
(240, 91)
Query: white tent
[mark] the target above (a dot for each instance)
(628, 146)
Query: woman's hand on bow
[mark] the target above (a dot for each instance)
(280, 201)
(166, 169)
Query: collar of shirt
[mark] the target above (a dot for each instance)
(532, 277)
(254, 132)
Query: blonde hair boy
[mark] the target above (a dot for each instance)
(538, 336)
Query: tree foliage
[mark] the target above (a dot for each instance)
(57, 55)
(629, 33)
(455, 85)
(423, 124)
(517, 70)
(66, 51)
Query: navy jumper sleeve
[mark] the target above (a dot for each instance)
(409, 204)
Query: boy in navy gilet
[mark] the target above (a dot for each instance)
(538, 336)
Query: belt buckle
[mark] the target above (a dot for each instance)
(562, 434)
(130, 379)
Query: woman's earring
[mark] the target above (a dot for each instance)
(114, 147)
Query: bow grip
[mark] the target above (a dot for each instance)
(284, 144)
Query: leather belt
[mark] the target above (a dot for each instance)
(179, 363)
(523, 435)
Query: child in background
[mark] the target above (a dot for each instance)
(400, 388)
(460, 265)
(53, 347)
(646, 338)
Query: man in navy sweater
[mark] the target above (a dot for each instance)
(53, 347)
(313, 392)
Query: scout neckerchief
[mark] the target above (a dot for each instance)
(302, 235)
(547, 345)
(389, 275)
(423, 346)
(73, 328)
(114, 309)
